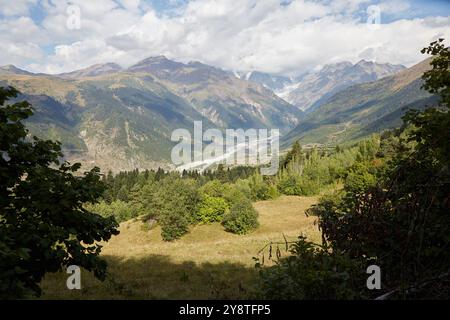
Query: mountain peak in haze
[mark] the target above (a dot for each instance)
(380, 70)
(364, 62)
(153, 60)
(94, 70)
(10, 68)
(273, 82)
(365, 108)
(313, 89)
(332, 67)
(155, 64)
(178, 72)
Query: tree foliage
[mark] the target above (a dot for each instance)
(212, 209)
(43, 223)
(393, 212)
(241, 219)
(177, 201)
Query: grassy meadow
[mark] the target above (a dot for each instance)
(207, 263)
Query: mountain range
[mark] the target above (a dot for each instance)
(312, 89)
(122, 118)
(363, 109)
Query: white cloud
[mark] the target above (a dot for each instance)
(236, 35)
(16, 7)
(28, 48)
(394, 6)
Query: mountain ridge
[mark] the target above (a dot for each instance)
(123, 119)
(93, 70)
(310, 90)
(365, 108)
(109, 112)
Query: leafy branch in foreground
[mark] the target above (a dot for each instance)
(43, 224)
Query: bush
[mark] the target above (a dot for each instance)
(359, 178)
(241, 219)
(120, 210)
(272, 193)
(214, 188)
(237, 194)
(260, 189)
(212, 209)
(288, 185)
(308, 187)
(313, 272)
(298, 186)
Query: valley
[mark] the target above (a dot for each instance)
(121, 119)
(272, 152)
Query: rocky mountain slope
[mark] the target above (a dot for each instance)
(311, 90)
(220, 96)
(122, 119)
(362, 109)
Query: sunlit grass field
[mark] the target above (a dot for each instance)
(207, 263)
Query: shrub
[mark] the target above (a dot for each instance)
(359, 178)
(308, 187)
(236, 195)
(313, 272)
(120, 210)
(214, 188)
(272, 193)
(240, 189)
(241, 219)
(212, 209)
(288, 185)
(260, 189)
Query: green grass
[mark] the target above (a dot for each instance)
(207, 263)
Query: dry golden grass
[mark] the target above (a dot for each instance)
(405, 77)
(207, 263)
(45, 85)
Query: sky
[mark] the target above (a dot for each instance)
(284, 37)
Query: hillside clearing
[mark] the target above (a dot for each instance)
(207, 263)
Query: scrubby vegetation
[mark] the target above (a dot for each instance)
(241, 218)
(392, 212)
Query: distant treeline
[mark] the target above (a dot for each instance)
(121, 184)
